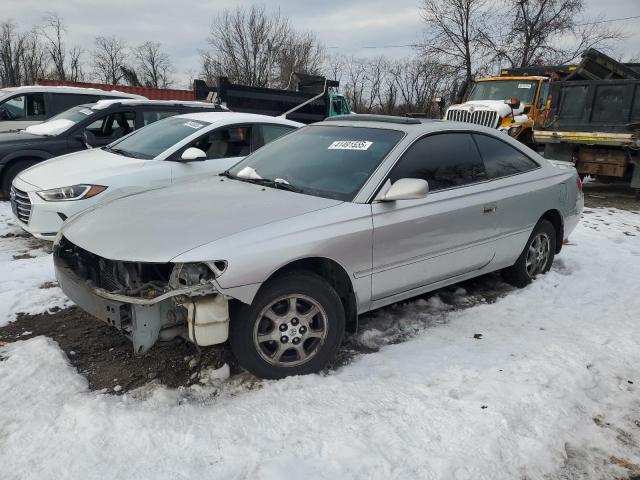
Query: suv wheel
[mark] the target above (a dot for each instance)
(294, 327)
(12, 172)
(536, 258)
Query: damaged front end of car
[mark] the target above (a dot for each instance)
(146, 301)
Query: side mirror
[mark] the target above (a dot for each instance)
(89, 139)
(406, 189)
(192, 154)
(514, 103)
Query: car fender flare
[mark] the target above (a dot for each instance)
(26, 155)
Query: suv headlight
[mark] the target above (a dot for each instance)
(75, 192)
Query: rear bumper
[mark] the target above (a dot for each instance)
(572, 219)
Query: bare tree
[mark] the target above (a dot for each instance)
(418, 83)
(335, 66)
(12, 44)
(109, 56)
(546, 31)
(254, 47)
(245, 44)
(34, 59)
(75, 71)
(355, 84)
(302, 53)
(53, 31)
(153, 65)
(454, 31)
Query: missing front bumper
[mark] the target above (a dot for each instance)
(142, 319)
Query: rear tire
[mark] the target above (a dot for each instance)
(293, 327)
(12, 172)
(536, 258)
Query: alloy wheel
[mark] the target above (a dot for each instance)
(538, 254)
(290, 330)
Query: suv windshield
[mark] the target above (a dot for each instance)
(152, 140)
(523, 90)
(75, 114)
(326, 161)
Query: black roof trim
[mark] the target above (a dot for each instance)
(374, 118)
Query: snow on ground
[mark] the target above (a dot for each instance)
(26, 281)
(549, 390)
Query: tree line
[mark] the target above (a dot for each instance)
(461, 40)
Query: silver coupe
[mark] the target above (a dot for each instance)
(281, 253)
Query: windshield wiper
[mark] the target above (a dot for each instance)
(275, 184)
(119, 151)
(266, 182)
(227, 174)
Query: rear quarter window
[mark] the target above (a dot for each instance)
(501, 159)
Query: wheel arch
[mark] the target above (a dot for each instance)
(555, 217)
(335, 274)
(22, 155)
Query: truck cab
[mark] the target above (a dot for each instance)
(512, 102)
(338, 105)
(508, 103)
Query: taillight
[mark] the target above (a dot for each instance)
(579, 183)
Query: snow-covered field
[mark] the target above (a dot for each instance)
(550, 390)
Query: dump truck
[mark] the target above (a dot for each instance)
(594, 120)
(314, 98)
(511, 102)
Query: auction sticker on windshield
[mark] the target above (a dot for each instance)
(194, 125)
(86, 111)
(350, 145)
(524, 85)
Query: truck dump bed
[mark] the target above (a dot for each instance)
(594, 106)
(273, 101)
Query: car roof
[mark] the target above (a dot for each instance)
(104, 104)
(73, 90)
(238, 117)
(412, 126)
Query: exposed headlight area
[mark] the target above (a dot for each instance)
(139, 280)
(192, 274)
(74, 192)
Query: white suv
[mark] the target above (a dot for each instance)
(21, 107)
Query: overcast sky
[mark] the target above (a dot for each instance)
(346, 25)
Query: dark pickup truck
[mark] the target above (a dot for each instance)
(594, 120)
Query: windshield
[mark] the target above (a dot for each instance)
(326, 161)
(523, 90)
(62, 122)
(152, 140)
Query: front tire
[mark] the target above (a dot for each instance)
(293, 327)
(536, 258)
(12, 172)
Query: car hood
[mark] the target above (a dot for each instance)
(498, 105)
(88, 166)
(13, 138)
(158, 225)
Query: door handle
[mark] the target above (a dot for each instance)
(490, 208)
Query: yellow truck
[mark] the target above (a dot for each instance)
(511, 102)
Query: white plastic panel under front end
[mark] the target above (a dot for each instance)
(45, 219)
